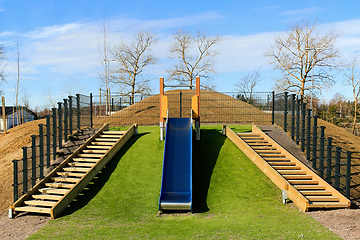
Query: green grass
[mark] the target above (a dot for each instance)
(232, 198)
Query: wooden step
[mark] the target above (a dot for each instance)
(76, 169)
(33, 209)
(255, 141)
(327, 205)
(47, 196)
(264, 148)
(303, 182)
(91, 160)
(71, 174)
(298, 177)
(98, 147)
(272, 155)
(79, 164)
(89, 155)
(114, 132)
(322, 199)
(40, 203)
(285, 167)
(106, 140)
(262, 151)
(277, 159)
(111, 136)
(94, 151)
(291, 172)
(65, 179)
(259, 144)
(309, 187)
(248, 134)
(101, 144)
(315, 193)
(59, 185)
(53, 191)
(283, 164)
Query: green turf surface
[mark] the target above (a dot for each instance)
(232, 198)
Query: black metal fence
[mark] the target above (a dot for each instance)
(72, 114)
(215, 108)
(330, 162)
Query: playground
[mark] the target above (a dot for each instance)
(223, 198)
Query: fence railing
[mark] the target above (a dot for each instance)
(72, 114)
(330, 162)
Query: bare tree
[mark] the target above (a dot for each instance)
(104, 50)
(73, 87)
(247, 84)
(298, 52)
(48, 95)
(352, 78)
(194, 55)
(130, 60)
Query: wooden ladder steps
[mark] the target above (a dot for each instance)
(106, 139)
(114, 132)
(110, 136)
(316, 191)
(76, 169)
(80, 164)
(33, 209)
(90, 160)
(59, 185)
(65, 179)
(47, 196)
(53, 191)
(70, 174)
(40, 203)
(94, 151)
(90, 155)
(109, 144)
(106, 147)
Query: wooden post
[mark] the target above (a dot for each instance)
(197, 121)
(3, 113)
(162, 127)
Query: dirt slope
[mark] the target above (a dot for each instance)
(10, 148)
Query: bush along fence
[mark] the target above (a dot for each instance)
(71, 115)
(330, 162)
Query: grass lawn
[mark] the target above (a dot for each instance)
(232, 198)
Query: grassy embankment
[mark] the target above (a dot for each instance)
(232, 198)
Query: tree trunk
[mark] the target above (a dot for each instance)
(355, 117)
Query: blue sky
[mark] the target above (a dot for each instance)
(59, 39)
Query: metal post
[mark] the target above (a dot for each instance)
(303, 105)
(16, 182)
(285, 110)
(70, 115)
(65, 119)
(60, 124)
(41, 150)
(54, 133)
(308, 136)
(348, 173)
(298, 104)
(273, 109)
(337, 167)
(25, 170)
(78, 110)
(293, 116)
(91, 110)
(314, 143)
(322, 151)
(180, 96)
(328, 159)
(48, 141)
(33, 160)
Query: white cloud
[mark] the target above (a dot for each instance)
(302, 12)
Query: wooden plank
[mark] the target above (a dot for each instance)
(47, 196)
(327, 205)
(89, 155)
(102, 144)
(302, 182)
(286, 167)
(53, 191)
(298, 177)
(33, 209)
(114, 132)
(79, 186)
(282, 164)
(111, 136)
(309, 187)
(41, 184)
(80, 164)
(76, 169)
(315, 193)
(95, 151)
(65, 179)
(90, 160)
(40, 203)
(98, 147)
(322, 199)
(106, 139)
(292, 172)
(59, 185)
(70, 174)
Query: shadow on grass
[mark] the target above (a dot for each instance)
(205, 154)
(92, 189)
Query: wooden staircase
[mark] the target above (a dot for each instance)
(58, 189)
(298, 183)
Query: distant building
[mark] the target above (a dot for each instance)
(15, 117)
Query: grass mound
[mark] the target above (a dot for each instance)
(232, 198)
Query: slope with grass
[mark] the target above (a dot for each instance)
(232, 198)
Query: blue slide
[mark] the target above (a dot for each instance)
(176, 185)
